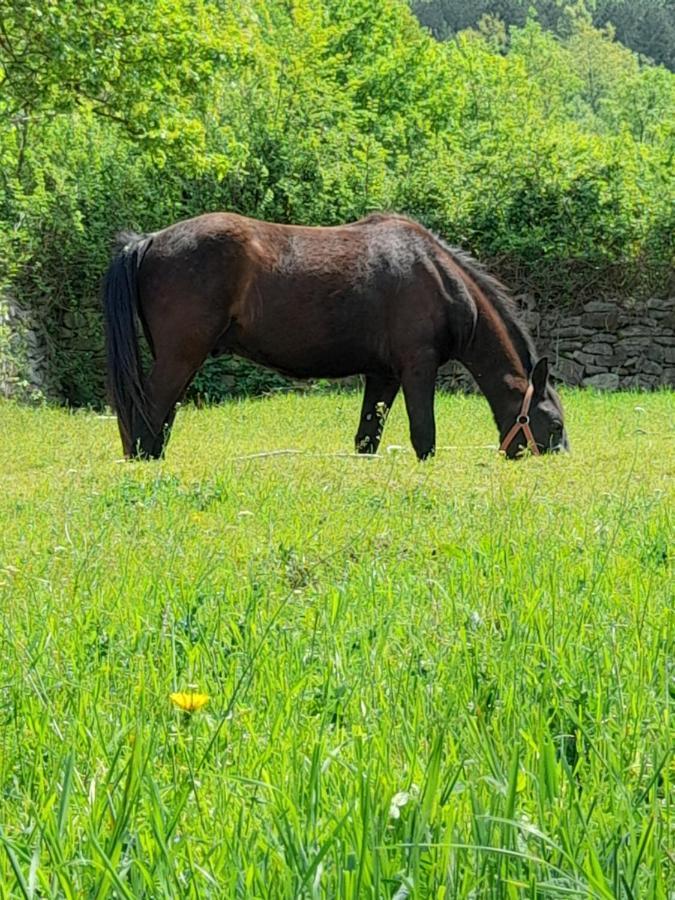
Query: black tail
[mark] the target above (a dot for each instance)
(120, 304)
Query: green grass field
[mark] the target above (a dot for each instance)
(444, 680)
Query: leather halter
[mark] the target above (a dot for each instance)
(522, 423)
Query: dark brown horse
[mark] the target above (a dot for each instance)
(382, 297)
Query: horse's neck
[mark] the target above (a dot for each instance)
(494, 362)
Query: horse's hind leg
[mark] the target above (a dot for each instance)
(164, 387)
(418, 379)
(378, 397)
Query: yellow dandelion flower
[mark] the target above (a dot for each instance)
(189, 702)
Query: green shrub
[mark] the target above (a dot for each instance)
(552, 158)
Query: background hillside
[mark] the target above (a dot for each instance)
(548, 155)
(646, 26)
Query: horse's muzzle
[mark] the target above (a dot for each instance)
(562, 447)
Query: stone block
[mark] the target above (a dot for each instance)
(604, 337)
(572, 331)
(635, 346)
(660, 354)
(601, 306)
(605, 381)
(640, 382)
(597, 349)
(596, 368)
(648, 367)
(605, 320)
(567, 349)
(584, 358)
(567, 370)
(618, 358)
(666, 319)
(637, 331)
(661, 304)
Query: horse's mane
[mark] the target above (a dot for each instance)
(492, 288)
(501, 300)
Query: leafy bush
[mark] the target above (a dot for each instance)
(548, 157)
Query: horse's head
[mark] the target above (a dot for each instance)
(539, 423)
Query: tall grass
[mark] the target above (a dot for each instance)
(443, 680)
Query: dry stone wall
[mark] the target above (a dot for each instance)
(605, 344)
(23, 363)
(612, 345)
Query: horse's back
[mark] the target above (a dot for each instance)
(310, 300)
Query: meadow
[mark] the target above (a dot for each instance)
(442, 680)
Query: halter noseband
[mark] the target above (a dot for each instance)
(522, 423)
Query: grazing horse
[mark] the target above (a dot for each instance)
(382, 297)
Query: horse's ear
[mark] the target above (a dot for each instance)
(539, 375)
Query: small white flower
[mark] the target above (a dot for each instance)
(398, 801)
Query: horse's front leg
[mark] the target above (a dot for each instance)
(419, 384)
(378, 398)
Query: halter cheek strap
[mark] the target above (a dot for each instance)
(522, 423)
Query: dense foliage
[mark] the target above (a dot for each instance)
(551, 156)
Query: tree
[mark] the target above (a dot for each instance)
(646, 26)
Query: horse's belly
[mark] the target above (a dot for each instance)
(302, 353)
(312, 363)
